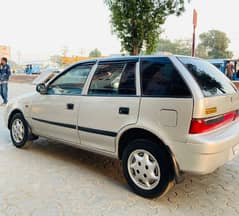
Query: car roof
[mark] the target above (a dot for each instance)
(128, 58)
(122, 58)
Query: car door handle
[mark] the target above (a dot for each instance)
(124, 110)
(70, 106)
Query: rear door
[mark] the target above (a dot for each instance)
(167, 102)
(110, 104)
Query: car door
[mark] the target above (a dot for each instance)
(54, 114)
(167, 101)
(110, 104)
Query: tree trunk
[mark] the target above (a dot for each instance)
(135, 50)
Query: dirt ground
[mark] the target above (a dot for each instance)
(52, 179)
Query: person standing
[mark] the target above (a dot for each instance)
(230, 70)
(5, 73)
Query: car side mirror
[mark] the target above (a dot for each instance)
(41, 88)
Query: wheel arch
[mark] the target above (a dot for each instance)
(13, 112)
(137, 133)
(133, 133)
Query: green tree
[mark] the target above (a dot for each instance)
(137, 22)
(95, 53)
(214, 44)
(202, 51)
(179, 47)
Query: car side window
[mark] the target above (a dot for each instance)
(160, 78)
(71, 82)
(114, 78)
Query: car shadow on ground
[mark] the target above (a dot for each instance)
(222, 184)
(105, 166)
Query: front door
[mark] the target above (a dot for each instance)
(110, 104)
(54, 114)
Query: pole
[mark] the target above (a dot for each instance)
(194, 42)
(195, 18)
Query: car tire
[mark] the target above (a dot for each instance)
(19, 131)
(147, 168)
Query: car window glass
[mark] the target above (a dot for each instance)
(211, 81)
(160, 78)
(72, 82)
(116, 78)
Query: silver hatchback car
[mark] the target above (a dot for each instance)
(161, 115)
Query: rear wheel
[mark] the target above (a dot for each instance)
(19, 131)
(147, 168)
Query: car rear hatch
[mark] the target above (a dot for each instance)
(220, 101)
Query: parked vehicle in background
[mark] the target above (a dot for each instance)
(221, 64)
(32, 69)
(161, 115)
(46, 75)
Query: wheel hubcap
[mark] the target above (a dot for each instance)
(18, 130)
(144, 169)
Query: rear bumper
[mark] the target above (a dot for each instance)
(202, 164)
(204, 153)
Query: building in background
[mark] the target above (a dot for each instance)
(5, 51)
(71, 60)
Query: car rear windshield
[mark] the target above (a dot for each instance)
(211, 81)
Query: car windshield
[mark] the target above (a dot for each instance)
(211, 81)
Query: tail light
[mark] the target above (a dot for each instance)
(208, 124)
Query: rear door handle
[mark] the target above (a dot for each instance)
(124, 110)
(70, 106)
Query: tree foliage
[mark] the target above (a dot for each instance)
(214, 44)
(179, 47)
(137, 22)
(95, 53)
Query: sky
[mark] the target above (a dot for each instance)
(37, 29)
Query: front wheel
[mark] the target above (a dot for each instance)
(19, 131)
(147, 168)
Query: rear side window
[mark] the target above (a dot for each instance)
(160, 78)
(114, 78)
(211, 81)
